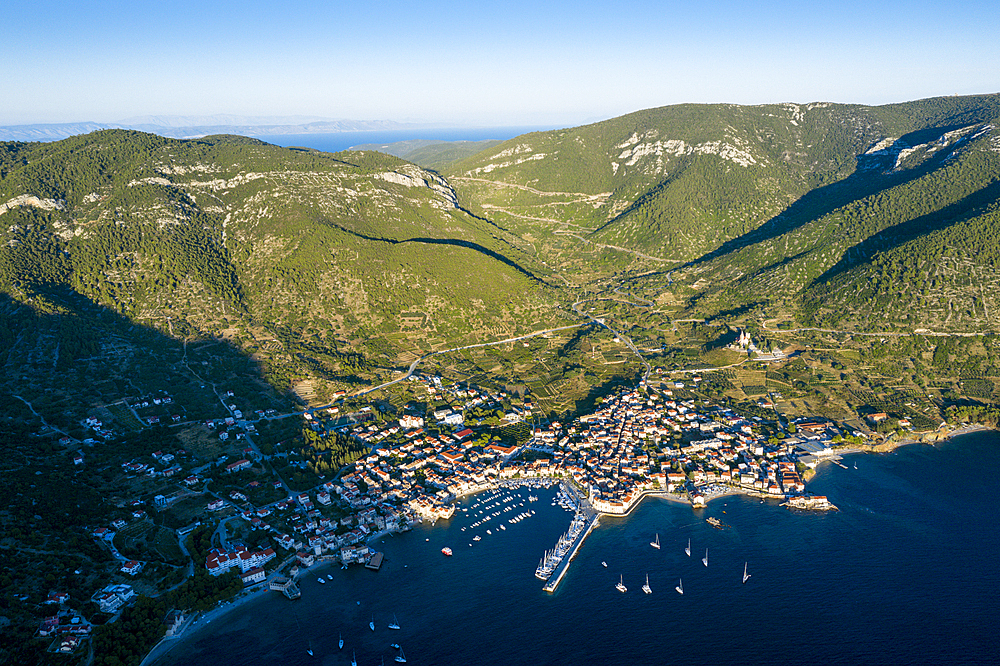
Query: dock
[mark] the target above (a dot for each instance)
(563, 567)
(587, 512)
(374, 562)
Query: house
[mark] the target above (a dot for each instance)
(254, 576)
(238, 466)
(132, 567)
(57, 598)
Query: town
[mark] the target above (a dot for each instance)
(657, 438)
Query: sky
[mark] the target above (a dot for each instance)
(537, 62)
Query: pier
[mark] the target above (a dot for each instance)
(584, 523)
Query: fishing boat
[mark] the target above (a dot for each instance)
(395, 624)
(401, 658)
(746, 576)
(646, 588)
(704, 560)
(621, 585)
(688, 549)
(656, 544)
(371, 625)
(680, 586)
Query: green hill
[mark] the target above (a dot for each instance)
(323, 268)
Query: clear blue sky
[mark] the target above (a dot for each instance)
(499, 63)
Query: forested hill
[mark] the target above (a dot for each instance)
(815, 209)
(321, 266)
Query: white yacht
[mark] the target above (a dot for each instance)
(341, 641)
(746, 576)
(680, 586)
(401, 658)
(646, 588)
(621, 585)
(656, 544)
(688, 549)
(704, 560)
(395, 624)
(371, 625)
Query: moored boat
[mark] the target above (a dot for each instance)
(447, 551)
(621, 585)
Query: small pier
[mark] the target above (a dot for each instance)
(374, 562)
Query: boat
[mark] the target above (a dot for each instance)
(395, 646)
(341, 641)
(371, 625)
(447, 551)
(476, 538)
(656, 544)
(329, 576)
(395, 624)
(621, 585)
(604, 564)
(746, 576)
(354, 660)
(401, 658)
(704, 560)
(321, 580)
(646, 588)
(680, 586)
(309, 651)
(688, 549)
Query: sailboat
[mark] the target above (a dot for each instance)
(401, 658)
(354, 660)
(646, 588)
(656, 544)
(341, 641)
(395, 624)
(680, 586)
(688, 549)
(704, 560)
(371, 625)
(310, 650)
(621, 585)
(746, 576)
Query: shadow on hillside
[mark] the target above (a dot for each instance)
(870, 176)
(894, 236)
(80, 355)
(455, 242)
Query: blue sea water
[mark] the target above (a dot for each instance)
(338, 141)
(905, 573)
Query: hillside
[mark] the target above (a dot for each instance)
(321, 268)
(764, 205)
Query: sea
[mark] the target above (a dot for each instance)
(337, 141)
(906, 572)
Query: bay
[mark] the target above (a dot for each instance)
(905, 572)
(337, 141)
